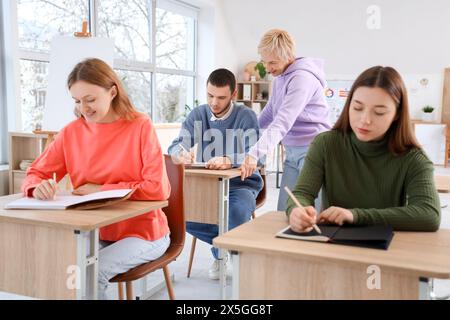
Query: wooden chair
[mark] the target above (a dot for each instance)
(260, 200)
(177, 226)
(447, 145)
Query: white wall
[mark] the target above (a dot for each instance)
(413, 37)
(216, 45)
(206, 49)
(166, 134)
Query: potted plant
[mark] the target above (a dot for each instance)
(261, 70)
(427, 114)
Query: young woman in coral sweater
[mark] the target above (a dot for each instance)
(110, 146)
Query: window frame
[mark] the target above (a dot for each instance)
(128, 65)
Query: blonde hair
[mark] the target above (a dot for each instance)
(98, 72)
(278, 42)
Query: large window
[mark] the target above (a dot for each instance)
(173, 94)
(155, 50)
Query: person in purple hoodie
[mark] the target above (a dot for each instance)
(296, 111)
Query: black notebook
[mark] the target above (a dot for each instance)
(376, 236)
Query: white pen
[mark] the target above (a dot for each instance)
(184, 149)
(189, 152)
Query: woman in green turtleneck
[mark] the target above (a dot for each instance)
(370, 166)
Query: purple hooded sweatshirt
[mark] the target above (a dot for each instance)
(296, 111)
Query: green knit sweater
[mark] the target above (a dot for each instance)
(365, 177)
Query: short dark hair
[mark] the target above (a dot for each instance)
(222, 78)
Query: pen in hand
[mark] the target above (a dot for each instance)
(184, 149)
(298, 204)
(188, 152)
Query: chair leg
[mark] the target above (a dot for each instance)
(191, 255)
(129, 286)
(168, 282)
(253, 215)
(120, 289)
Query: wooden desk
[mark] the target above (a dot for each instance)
(266, 267)
(442, 183)
(418, 121)
(42, 251)
(206, 201)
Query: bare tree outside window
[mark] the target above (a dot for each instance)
(138, 87)
(40, 20)
(173, 93)
(174, 49)
(129, 23)
(174, 40)
(33, 84)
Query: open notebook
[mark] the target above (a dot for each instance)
(69, 201)
(376, 236)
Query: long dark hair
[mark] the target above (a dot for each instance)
(400, 135)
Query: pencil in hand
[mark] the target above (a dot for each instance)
(188, 152)
(298, 204)
(184, 149)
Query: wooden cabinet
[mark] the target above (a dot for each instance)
(254, 94)
(446, 97)
(22, 146)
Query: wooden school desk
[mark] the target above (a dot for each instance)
(206, 201)
(266, 267)
(442, 183)
(41, 251)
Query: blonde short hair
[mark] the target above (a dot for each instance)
(278, 42)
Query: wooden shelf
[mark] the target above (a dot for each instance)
(253, 89)
(418, 121)
(23, 146)
(445, 116)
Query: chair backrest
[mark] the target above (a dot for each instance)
(175, 210)
(261, 198)
(448, 131)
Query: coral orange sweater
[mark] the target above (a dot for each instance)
(117, 155)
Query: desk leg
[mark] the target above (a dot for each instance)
(235, 281)
(277, 174)
(88, 264)
(431, 294)
(224, 190)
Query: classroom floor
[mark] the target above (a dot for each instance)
(200, 287)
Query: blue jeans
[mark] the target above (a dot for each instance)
(295, 157)
(242, 203)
